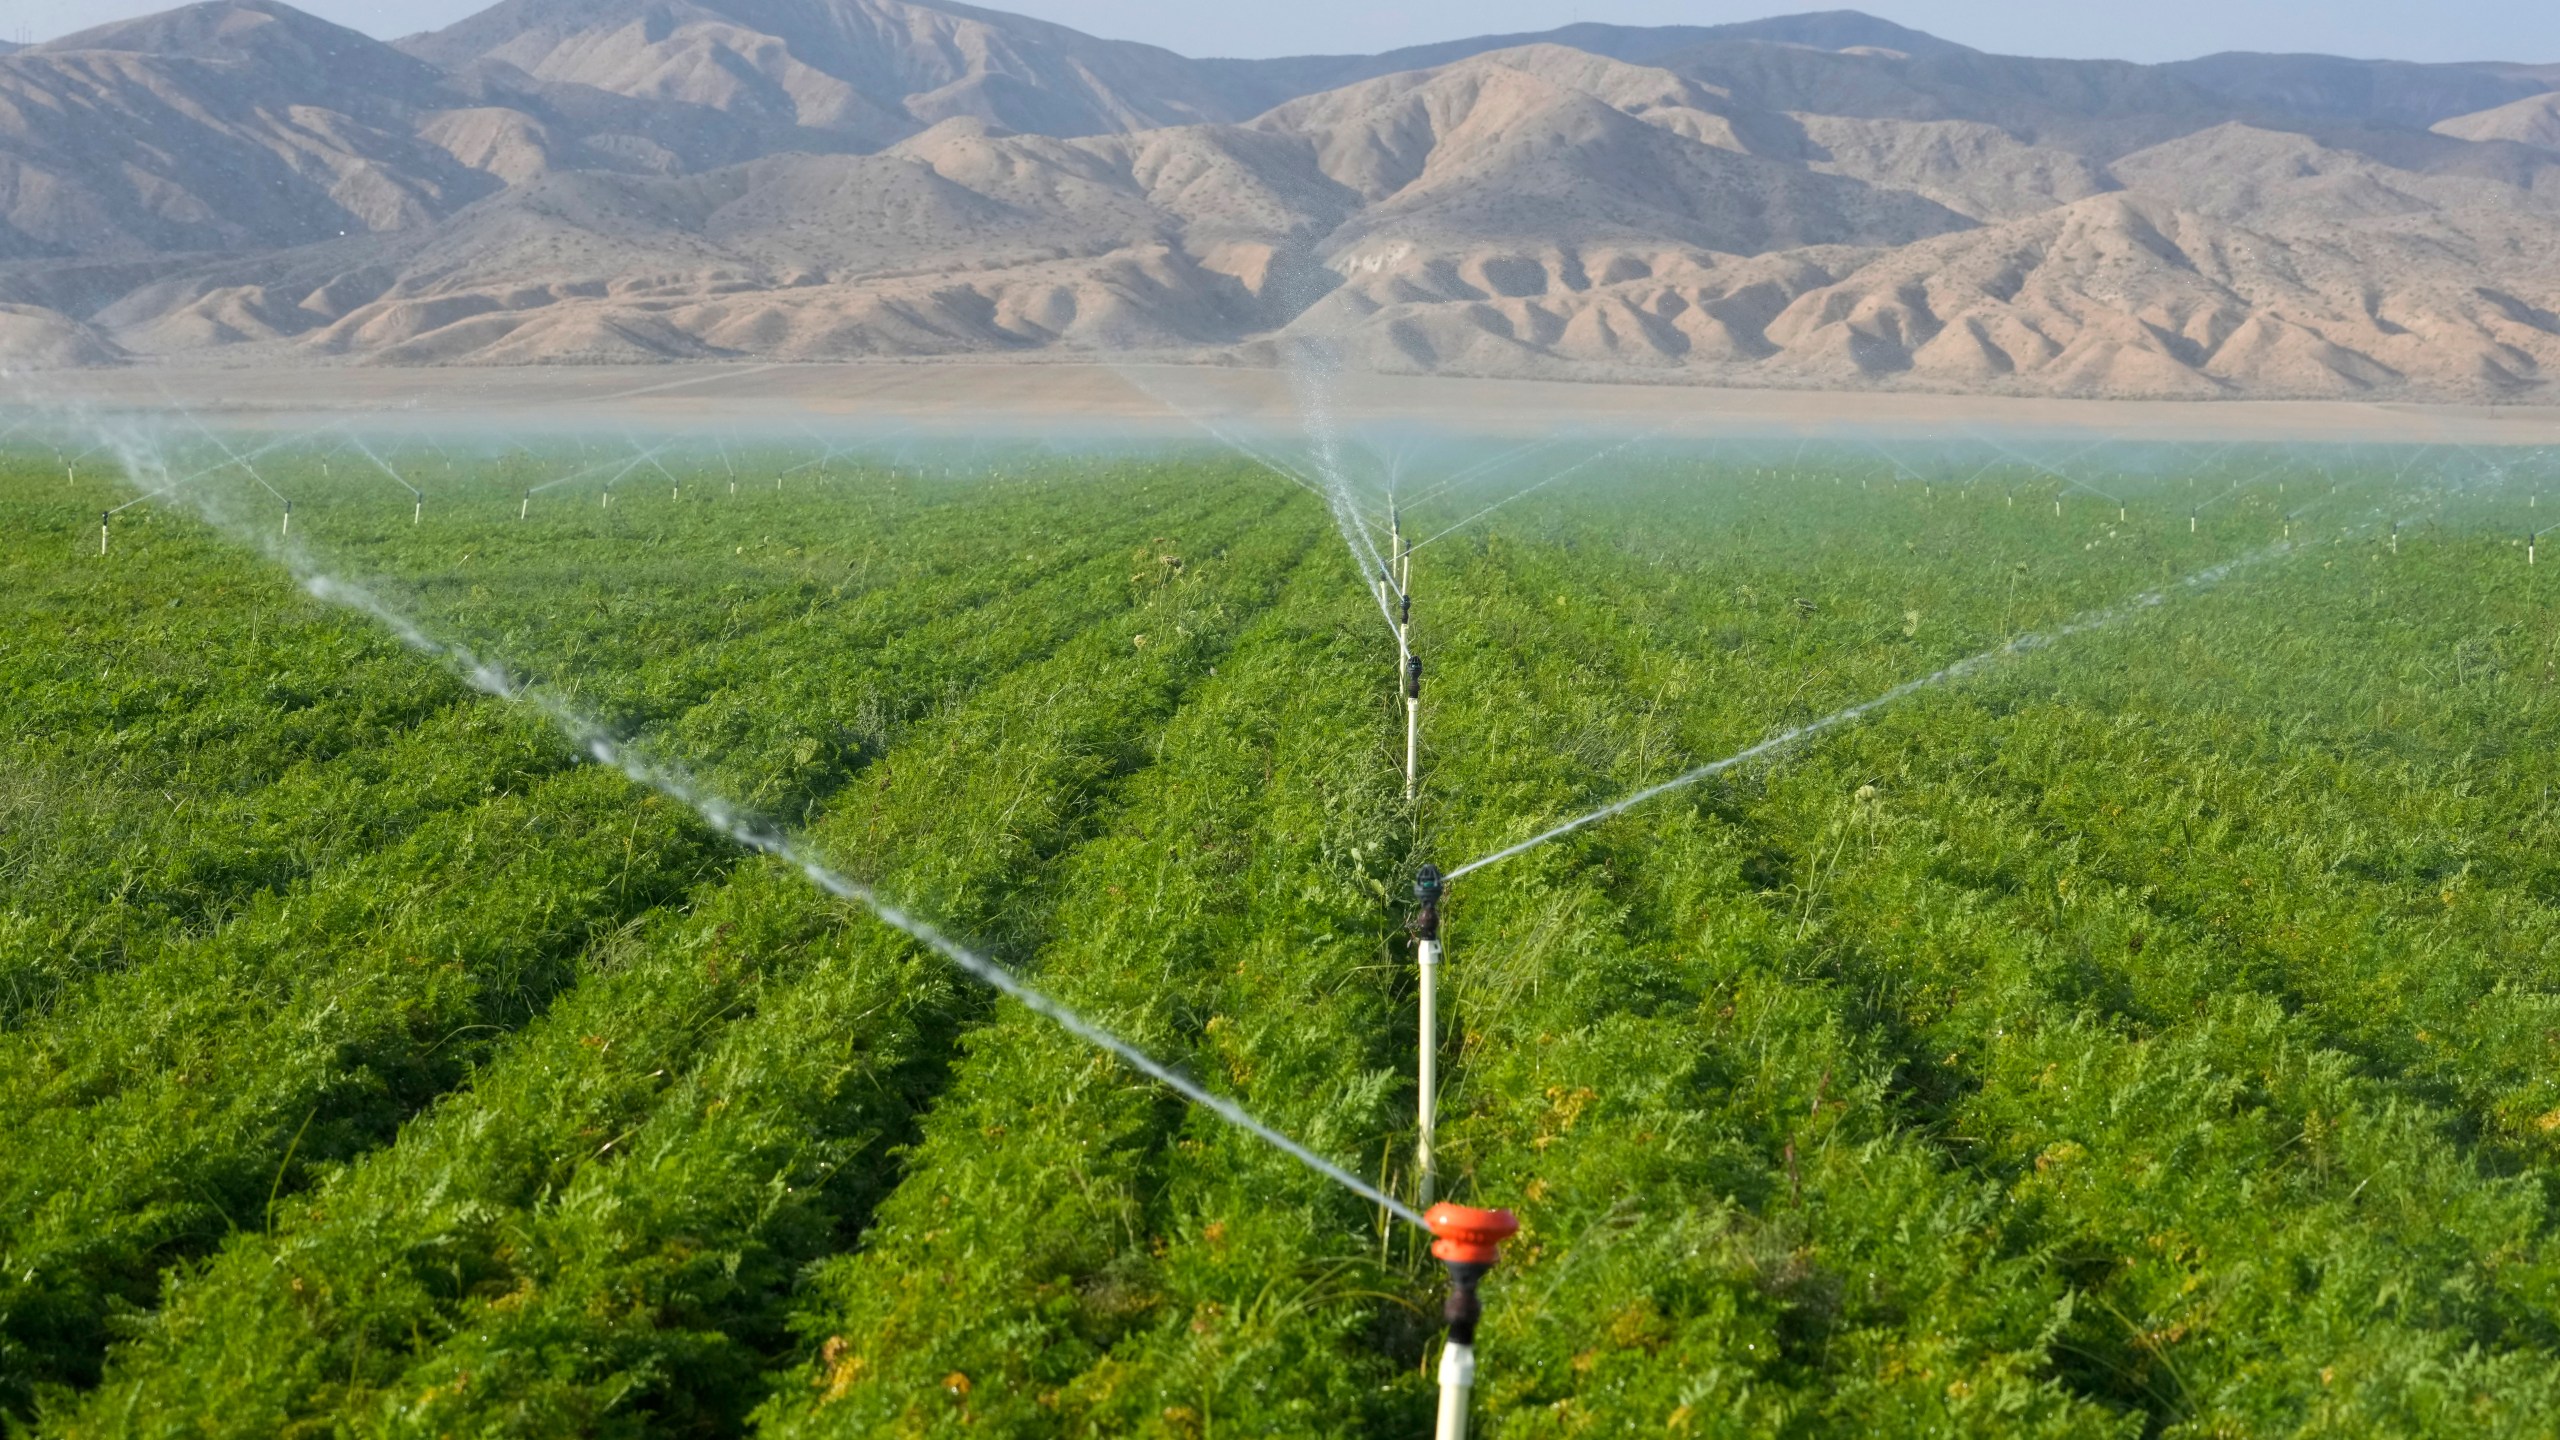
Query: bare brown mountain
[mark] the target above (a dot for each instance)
(840, 73)
(1820, 200)
(2534, 120)
(215, 128)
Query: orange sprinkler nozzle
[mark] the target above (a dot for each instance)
(1469, 1236)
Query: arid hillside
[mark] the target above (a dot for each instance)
(1821, 200)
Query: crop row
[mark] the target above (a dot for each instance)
(636, 1278)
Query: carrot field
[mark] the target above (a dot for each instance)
(2149, 1026)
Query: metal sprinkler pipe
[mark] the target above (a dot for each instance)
(1426, 1064)
(288, 517)
(102, 531)
(1468, 1243)
(524, 508)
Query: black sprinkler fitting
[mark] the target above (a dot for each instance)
(1426, 902)
(1413, 677)
(1463, 1309)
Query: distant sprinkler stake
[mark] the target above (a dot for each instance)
(103, 517)
(1468, 1243)
(288, 517)
(524, 507)
(2395, 537)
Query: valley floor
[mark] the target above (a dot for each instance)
(1065, 398)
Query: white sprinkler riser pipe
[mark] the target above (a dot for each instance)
(1412, 745)
(1426, 1071)
(1457, 1382)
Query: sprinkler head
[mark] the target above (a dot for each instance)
(1468, 1243)
(1426, 903)
(1413, 677)
(1467, 1236)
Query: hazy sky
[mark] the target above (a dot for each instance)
(2151, 30)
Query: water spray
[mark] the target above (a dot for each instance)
(1565, 473)
(417, 497)
(1467, 1243)
(1960, 670)
(490, 679)
(1426, 1064)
